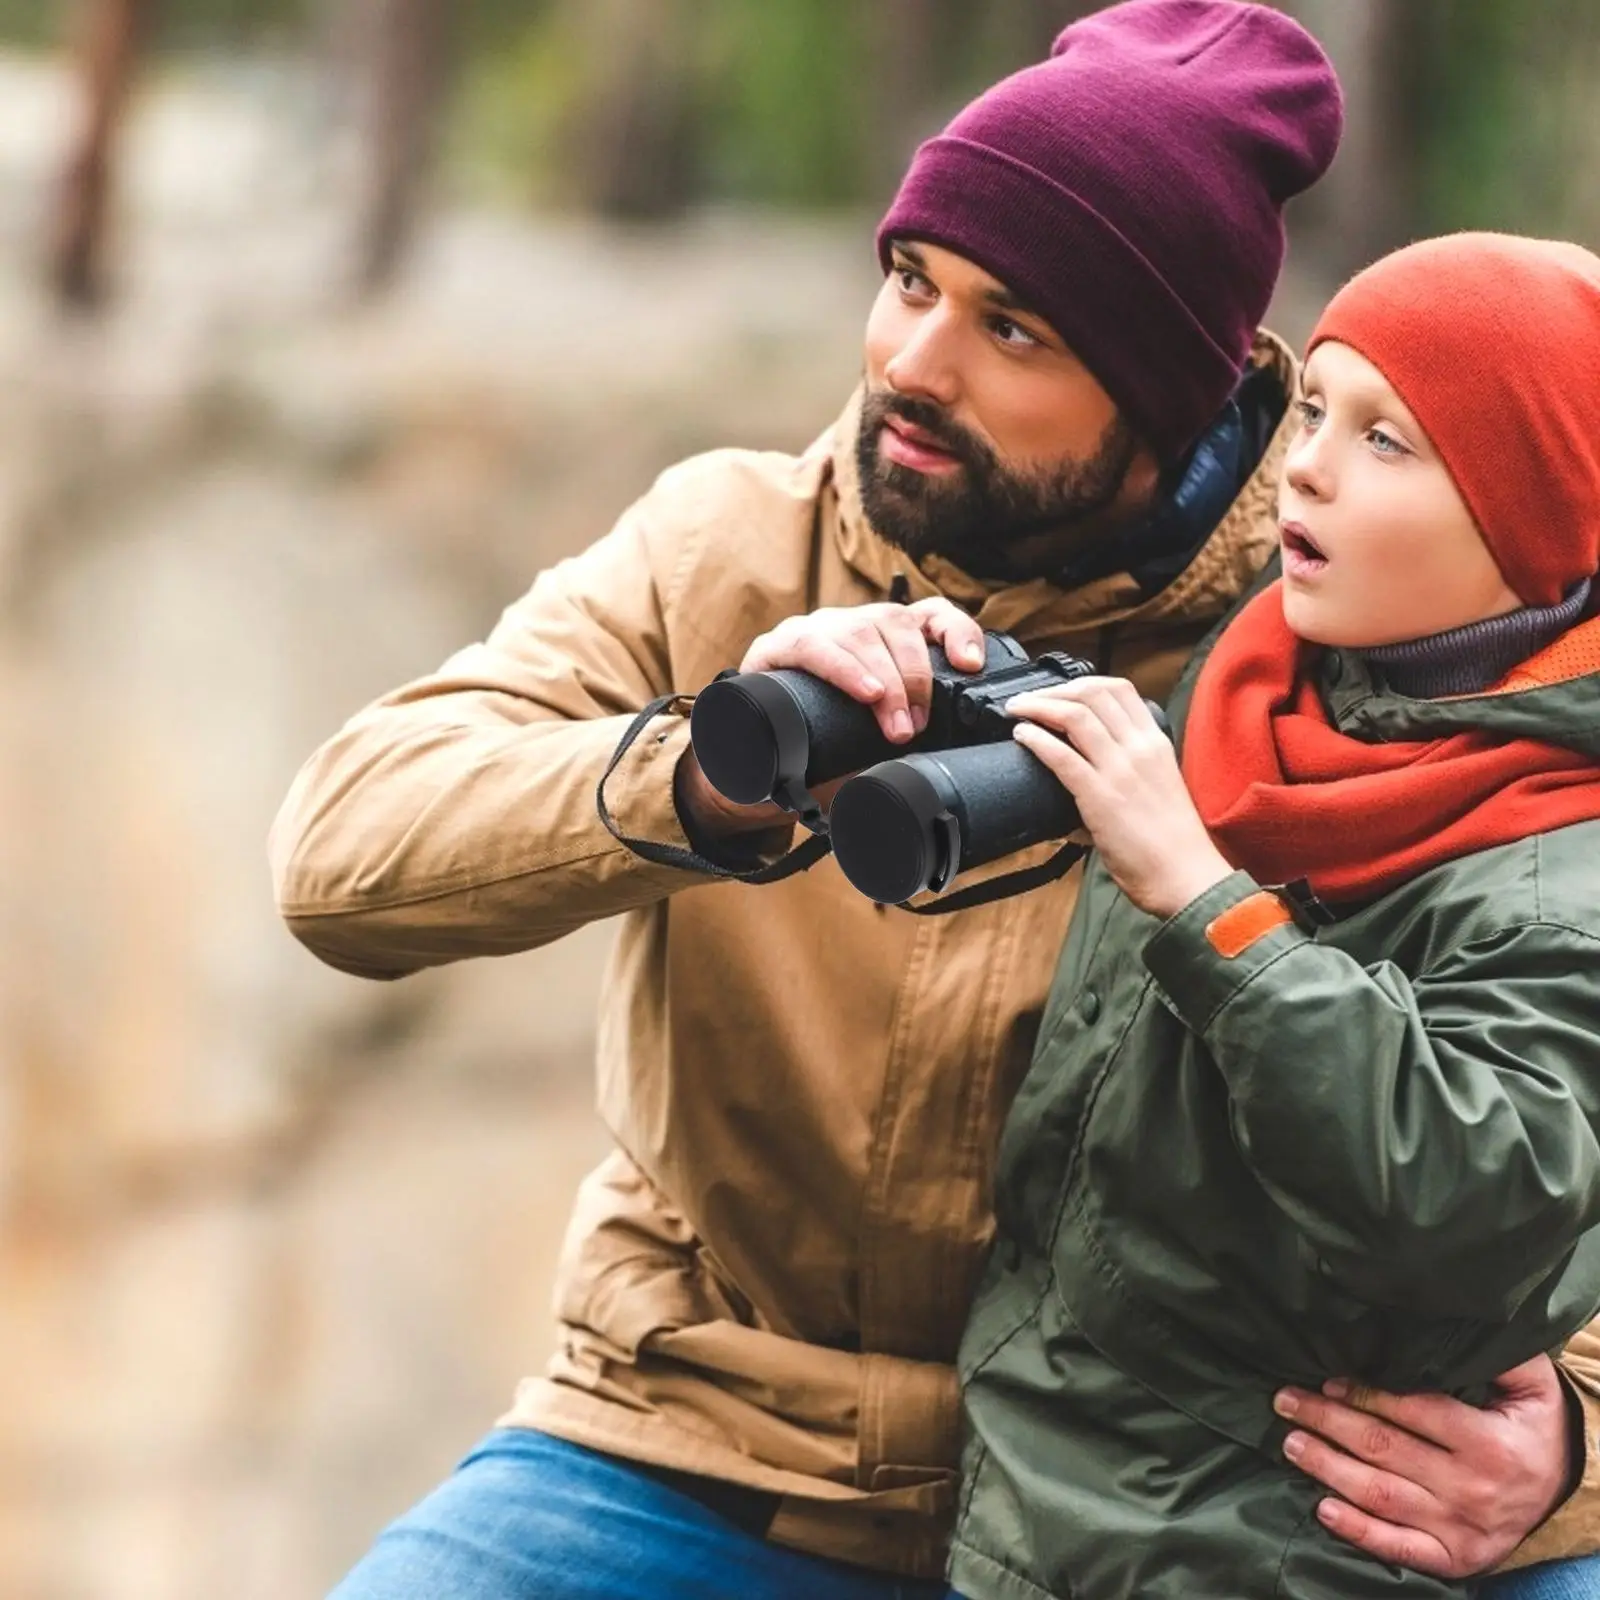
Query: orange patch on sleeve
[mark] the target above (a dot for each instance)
(1240, 926)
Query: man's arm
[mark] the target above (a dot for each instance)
(1429, 1482)
(456, 816)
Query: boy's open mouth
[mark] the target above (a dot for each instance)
(1300, 552)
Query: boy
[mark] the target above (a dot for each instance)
(1347, 1123)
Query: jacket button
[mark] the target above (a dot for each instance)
(1089, 1006)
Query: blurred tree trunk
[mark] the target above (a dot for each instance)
(404, 47)
(107, 60)
(1371, 200)
(634, 137)
(903, 71)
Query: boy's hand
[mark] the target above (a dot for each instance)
(1431, 1483)
(1098, 737)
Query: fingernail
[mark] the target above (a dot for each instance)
(974, 654)
(1328, 1513)
(919, 717)
(1337, 1388)
(872, 686)
(1294, 1446)
(900, 726)
(1285, 1404)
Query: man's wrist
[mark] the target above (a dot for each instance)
(1566, 1529)
(1577, 1441)
(731, 835)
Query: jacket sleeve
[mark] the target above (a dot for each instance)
(1573, 1528)
(1434, 1140)
(456, 817)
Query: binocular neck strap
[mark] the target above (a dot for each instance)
(1005, 886)
(671, 855)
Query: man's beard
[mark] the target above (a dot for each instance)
(990, 520)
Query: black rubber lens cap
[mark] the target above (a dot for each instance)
(734, 742)
(882, 826)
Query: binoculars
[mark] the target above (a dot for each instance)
(963, 793)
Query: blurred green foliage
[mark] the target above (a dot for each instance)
(183, 23)
(790, 111)
(780, 95)
(27, 22)
(783, 95)
(1506, 133)
(818, 102)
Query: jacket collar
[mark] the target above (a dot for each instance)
(1554, 697)
(1039, 611)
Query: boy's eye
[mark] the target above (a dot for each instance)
(1310, 413)
(1385, 443)
(912, 282)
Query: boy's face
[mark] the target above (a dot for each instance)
(1378, 545)
(983, 438)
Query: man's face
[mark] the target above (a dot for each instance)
(983, 438)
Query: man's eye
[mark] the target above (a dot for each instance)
(1013, 333)
(1310, 413)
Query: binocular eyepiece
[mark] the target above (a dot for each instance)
(962, 794)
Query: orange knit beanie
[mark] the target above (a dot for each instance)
(1493, 342)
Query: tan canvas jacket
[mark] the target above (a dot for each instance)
(767, 1281)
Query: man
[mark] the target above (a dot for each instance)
(1068, 430)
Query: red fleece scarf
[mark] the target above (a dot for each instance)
(1286, 795)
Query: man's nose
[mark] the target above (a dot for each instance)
(925, 365)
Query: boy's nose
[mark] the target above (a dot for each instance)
(1305, 468)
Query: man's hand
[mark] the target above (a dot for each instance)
(875, 654)
(1098, 737)
(1428, 1482)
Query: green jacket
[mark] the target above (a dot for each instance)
(1368, 1149)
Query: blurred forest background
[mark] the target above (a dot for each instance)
(324, 324)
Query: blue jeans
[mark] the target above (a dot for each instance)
(526, 1517)
(1555, 1580)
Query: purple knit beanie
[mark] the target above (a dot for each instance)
(1131, 189)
